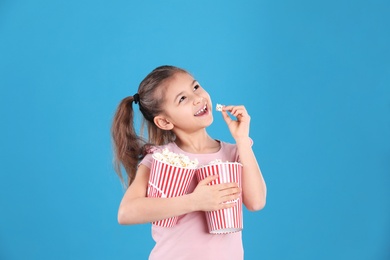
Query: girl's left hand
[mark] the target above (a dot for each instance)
(238, 128)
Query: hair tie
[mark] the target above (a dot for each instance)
(136, 98)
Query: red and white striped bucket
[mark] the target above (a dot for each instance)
(168, 181)
(225, 220)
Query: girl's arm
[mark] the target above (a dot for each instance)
(254, 190)
(136, 208)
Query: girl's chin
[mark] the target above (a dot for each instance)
(206, 121)
(210, 121)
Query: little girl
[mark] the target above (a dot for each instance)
(177, 111)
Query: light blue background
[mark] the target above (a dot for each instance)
(314, 75)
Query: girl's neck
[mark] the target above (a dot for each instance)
(199, 143)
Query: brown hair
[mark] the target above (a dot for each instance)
(129, 148)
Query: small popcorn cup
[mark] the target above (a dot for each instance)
(168, 181)
(225, 220)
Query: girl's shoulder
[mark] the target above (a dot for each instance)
(226, 145)
(228, 151)
(150, 149)
(231, 145)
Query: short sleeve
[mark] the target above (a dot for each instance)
(147, 160)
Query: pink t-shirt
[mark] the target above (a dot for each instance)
(189, 238)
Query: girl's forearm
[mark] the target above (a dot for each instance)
(144, 209)
(254, 189)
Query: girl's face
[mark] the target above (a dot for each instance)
(187, 105)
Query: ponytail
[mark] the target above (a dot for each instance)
(127, 144)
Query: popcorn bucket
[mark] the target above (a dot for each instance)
(168, 181)
(225, 220)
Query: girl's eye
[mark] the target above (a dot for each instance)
(182, 99)
(196, 87)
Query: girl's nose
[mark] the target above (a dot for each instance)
(198, 100)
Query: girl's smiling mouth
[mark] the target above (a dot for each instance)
(202, 111)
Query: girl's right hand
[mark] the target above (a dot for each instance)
(207, 197)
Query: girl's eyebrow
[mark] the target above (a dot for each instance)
(181, 92)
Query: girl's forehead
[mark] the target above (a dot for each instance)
(182, 77)
(179, 82)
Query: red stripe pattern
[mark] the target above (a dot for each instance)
(225, 220)
(168, 181)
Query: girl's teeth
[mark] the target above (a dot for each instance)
(201, 111)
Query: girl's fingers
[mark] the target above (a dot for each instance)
(226, 117)
(208, 179)
(227, 186)
(235, 110)
(231, 191)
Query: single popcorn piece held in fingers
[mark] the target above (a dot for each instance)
(175, 159)
(219, 107)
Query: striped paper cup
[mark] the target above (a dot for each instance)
(168, 181)
(225, 220)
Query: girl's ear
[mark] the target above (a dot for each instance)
(162, 123)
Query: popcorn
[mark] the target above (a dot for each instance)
(219, 107)
(216, 161)
(179, 160)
